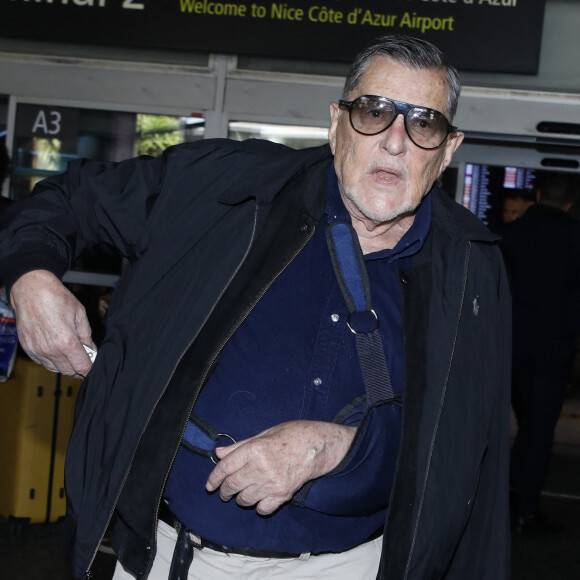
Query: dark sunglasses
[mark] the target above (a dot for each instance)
(370, 115)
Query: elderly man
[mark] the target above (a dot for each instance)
(305, 372)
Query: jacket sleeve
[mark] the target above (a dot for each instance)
(483, 552)
(91, 203)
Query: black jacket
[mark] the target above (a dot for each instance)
(206, 228)
(542, 256)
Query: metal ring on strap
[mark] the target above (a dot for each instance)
(216, 459)
(352, 329)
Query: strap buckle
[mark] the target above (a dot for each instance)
(213, 456)
(362, 321)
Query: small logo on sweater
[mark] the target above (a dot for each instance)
(476, 305)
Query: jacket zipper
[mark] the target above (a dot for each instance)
(434, 436)
(219, 350)
(88, 575)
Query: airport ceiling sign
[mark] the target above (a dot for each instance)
(477, 35)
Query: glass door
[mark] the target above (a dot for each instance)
(47, 137)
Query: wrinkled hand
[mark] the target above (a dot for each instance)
(51, 323)
(268, 469)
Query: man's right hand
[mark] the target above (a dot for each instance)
(51, 323)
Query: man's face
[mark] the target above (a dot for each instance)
(385, 176)
(514, 209)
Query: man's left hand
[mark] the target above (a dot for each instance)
(267, 469)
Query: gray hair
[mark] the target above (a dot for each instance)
(408, 51)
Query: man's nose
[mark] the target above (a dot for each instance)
(394, 138)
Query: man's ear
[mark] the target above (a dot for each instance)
(454, 140)
(334, 115)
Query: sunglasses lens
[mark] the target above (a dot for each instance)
(426, 127)
(371, 116)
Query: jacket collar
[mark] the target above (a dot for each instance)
(278, 166)
(273, 167)
(458, 222)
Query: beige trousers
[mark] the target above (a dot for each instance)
(360, 563)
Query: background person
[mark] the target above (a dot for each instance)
(542, 254)
(515, 204)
